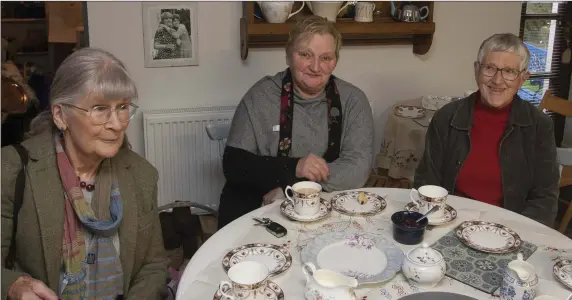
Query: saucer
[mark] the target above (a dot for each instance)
(271, 292)
(288, 210)
(449, 215)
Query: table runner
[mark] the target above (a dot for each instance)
(478, 269)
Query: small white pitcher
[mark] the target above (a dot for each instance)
(326, 284)
(519, 280)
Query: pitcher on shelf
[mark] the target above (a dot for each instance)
(277, 11)
(327, 9)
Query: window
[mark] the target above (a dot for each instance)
(543, 30)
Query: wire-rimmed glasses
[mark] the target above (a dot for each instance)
(100, 114)
(509, 74)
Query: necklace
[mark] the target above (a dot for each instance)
(87, 186)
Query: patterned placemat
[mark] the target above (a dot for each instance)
(478, 269)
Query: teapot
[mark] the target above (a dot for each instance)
(327, 9)
(409, 13)
(277, 12)
(326, 284)
(424, 267)
(519, 280)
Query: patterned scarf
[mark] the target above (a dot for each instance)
(93, 271)
(287, 118)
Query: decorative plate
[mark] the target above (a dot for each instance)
(271, 292)
(352, 252)
(409, 111)
(563, 271)
(347, 203)
(288, 210)
(488, 237)
(449, 215)
(276, 258)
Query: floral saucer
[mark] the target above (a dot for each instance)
(271, 292)
(276, 258)
(563, 271)
(288, 210)
(409, 111)
(488, 237)
(449, 215)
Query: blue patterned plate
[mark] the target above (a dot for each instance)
(367, 257)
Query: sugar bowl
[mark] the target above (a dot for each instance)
(424, 267)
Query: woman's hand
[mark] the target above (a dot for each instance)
(28, 288)
(312, 167)
(271, 196)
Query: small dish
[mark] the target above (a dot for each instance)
(288, 210)
(409, 111)
(271, 292)
(347, 203)
(276, 258)
(405, 230)
(563, 272)
(449, 215)
(488, 237)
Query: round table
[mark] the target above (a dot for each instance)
(204, 272)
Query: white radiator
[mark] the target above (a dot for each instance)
(189, 163)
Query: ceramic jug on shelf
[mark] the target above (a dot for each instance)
(277, 11)
(327, 9)
(326, 284)
(519, 280)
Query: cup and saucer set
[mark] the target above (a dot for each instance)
(304, 203)
(427, 197)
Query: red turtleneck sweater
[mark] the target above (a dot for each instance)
(480, 176)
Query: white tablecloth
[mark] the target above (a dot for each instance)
(204, 272)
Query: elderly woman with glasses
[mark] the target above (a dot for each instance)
(492, 146)
(300, 124)
(83, 223)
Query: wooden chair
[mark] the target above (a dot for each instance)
(564, 155)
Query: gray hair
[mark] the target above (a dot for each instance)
(88, 72)
(505, 42)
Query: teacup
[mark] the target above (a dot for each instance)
(248, 281)
(428, 196)
(305, 197)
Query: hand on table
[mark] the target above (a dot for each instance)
(28, 288)
(312, 167)
(271, 196)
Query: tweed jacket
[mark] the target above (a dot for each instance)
(41, 220)
(527, 155)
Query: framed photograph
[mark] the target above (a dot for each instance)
(170, 34)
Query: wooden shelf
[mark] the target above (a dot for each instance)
(23, 20)
(256, 33)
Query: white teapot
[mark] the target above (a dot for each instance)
(424, 267)
(326, 284)
(519, 280)
(277, 11)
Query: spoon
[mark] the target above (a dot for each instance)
(433, 209)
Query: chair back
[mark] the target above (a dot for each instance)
(217, 131)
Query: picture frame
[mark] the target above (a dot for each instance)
(170, 34)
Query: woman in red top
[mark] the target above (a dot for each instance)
(492, 146)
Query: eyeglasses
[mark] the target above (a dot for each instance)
(101, 114)
(506, 73)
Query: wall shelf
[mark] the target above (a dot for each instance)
(384, 30)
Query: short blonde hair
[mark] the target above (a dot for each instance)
(308, 26)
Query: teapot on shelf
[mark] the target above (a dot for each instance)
(326, 284)
(409, 12)
(519, 280)
(277, 11)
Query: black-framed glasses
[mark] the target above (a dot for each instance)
(100, 114)
(509, 74)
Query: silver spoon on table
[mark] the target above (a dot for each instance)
(432, 210)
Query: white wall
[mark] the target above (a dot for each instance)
(385, 73)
